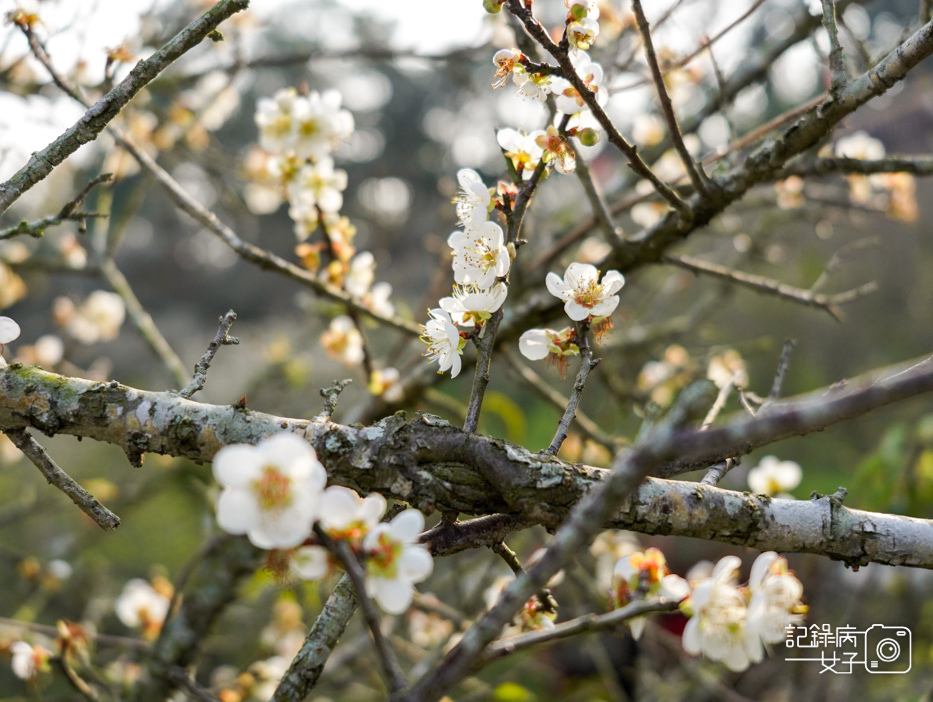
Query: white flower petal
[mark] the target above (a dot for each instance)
(237, 465)
(415, 564)
(534, 344)
(237, 511)
(394, 596)
(9, 330)
(408, 525)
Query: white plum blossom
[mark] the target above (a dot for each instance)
(9, 330)
(534, 86)
(861, 146)
(536, 344)
(578, 9)
(504, 60)
(27, 660)
(473, 200)
(141, 606)
(470, 305)
(274, 120)
(583, 295)
(320, 125)
(523, 149)
(644, 574)
(568, 100)
(344, 341)
(310, 126)
(480, 255)
(774, 605)
(97, 319)
(378, 299)
(271, 491)
(361, 274)
(717, 627)
(344, 515)
(444, 342)
(394, 561)
(774, 477)
(582, 33)
(318, 185)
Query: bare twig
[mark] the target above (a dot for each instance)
(601, 213)
(40, 458)
(837, 66)
(718, 405)
(587, 363)
(697, 177)
(222, 338)
(762, 284)
(781, 372)
(330, 395)
(392, 672)
(96, 119)
(510, 558)
(587, 426)
(69, 212)
(573, 627)
(717, 472)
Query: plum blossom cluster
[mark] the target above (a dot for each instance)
(588, 299)
(275, 494)
(298, 135)
(729, 623)
(480, 261)
(537, 83)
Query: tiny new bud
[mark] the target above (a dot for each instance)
(492, 6)
(588, 136)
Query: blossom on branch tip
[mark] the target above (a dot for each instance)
(470, 305)
(556, 150)
(271, 491)
(480, 255)
(536, 344)
(445, 345)
(395, 562)
(310, 126)
(583, 295)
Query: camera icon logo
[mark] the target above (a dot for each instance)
(887, 649)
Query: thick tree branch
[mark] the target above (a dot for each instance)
(429, 463)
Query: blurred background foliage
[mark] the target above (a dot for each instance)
(423, 109)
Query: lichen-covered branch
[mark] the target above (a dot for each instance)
(431, 464)
(108, 107)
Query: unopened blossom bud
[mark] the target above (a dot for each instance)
(588, 136)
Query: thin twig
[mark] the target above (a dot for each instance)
(762, 284)
(392, 671)
(837, 66)
(69, 212)
(222, 338)
(601, 213)
(587, 363)
(839, 256)
(587, 426)
(330, 395)
(75, 680)
(781, 372)
(108, 107)
(510, 558)
(573, 627)
(40, 458)
(180, 677)
(697, 177)
(717, 472)
(718, 405)
(98, 639)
